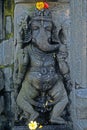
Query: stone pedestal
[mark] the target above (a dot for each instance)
(48, 127)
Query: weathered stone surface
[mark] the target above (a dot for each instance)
(61, 16)
(20, 14)
(1, 20)
(1, 54)
(72, 105)
(8, 25)
(6, 52)
(78, 62)
(81, 103)
(63, 0)
(79, 109)
(8, 78)
(81, 124)
(78, 42)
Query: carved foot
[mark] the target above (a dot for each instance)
(58, 120)
(33, 116)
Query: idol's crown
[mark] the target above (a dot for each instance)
(44, 14)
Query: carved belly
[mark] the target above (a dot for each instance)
(43, 78)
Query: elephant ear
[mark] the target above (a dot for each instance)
(54, 38)
(26, 35)
(61, 36)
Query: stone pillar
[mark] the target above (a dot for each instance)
(78, 41)
(1, 20)
(78, 54)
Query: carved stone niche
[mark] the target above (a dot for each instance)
(41, 73)
(47, 51)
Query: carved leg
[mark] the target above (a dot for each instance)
(23, 100)
(59, 92)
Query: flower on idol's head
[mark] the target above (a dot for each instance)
(33, 125)
(42, 5)
(46, 6)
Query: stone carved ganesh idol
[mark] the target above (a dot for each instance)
(40, 69)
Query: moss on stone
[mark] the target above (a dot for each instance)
(8, 11)
(5, 66)
(9, 36)
(9, 8)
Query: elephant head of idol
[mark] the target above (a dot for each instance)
(42, 31)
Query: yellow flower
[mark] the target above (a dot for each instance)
(40, 5)
(32, 125)
(40, 126)
(51, 100)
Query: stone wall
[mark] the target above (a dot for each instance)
(78, 62)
